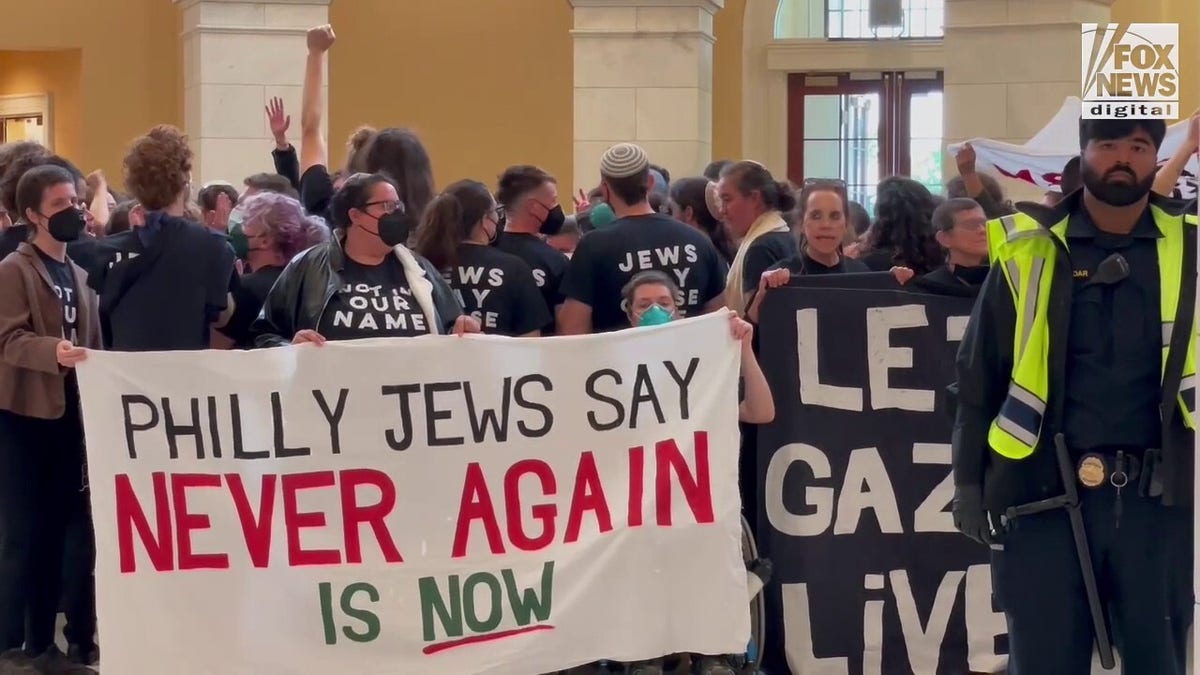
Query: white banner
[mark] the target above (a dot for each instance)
(1041, 160)
(429, 505)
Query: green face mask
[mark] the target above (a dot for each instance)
(602, 216)
(654, 315)
(238, 240)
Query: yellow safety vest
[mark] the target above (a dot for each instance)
(1026, 252)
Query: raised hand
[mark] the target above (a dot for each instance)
(280, 122)
(320, 39)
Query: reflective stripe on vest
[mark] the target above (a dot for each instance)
(1026, 252)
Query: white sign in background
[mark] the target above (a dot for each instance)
(1040, 161)
(629, 593)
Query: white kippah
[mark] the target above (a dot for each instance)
(623, 160)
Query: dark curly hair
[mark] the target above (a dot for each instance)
(400, 155)
(158, 167)
(904, 225)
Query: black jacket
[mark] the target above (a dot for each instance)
(984, 366)
(311, 279)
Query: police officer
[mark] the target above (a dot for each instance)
(1084, 328)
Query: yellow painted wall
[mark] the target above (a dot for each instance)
(485, 83)
(727, 80)
(1186, 13)
(56, 73)
(129, 77)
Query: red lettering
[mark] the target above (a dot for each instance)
(637, 481)
(255, 530)
(294, 520)
(476, 504)
(588, 496)
(1023, 174)
(542, 512)
(697, 489)
(186, 522)
(130, 517)
(354, 515)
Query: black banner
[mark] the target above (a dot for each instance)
(855, 483)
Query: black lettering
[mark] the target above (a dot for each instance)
(683, 382)
(235, 421)
(174, 431)
(281, 449)
(335, 417)
(404, 441)
(547, 415)
(432, 414)
(127, 401)
(590, 388)
(214, 427)
(643, 392)
(488, 416)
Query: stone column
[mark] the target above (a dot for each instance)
(1009, 65)
(237, 55)
(643, 74)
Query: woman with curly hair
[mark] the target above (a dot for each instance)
(277, 229)
(165, 284)
(902, 234)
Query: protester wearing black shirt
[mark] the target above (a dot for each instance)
(754, 205)
(823, 226)
(363, 282)
(48, 321)
(493, 286)
(961, 228)
(163, 286)
(529, 197)
(398, 153)
(276, 229)
(637, 241)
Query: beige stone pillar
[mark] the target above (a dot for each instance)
(643, 74)
(1009, 65)
(237, 55)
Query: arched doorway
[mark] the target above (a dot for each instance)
(825, 95)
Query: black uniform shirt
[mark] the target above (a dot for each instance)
(1114, 353)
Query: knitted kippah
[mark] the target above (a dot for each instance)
(623, 160)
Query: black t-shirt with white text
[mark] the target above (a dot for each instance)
(374, 301)
(161, 286)
(498, 289)
(548, 264)
(62, 280)
(607, 259)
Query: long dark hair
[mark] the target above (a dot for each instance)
(400, 154)
(904, 225)
(690, 192)
(449, 220)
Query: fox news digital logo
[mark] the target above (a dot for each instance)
(1130, 70)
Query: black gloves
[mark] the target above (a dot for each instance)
(970, 517)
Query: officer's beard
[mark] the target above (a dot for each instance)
(1116, 193)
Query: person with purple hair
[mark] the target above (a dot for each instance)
(276, 228)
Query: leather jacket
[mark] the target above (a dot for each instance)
(305, 287)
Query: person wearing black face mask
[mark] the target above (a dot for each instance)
(529, 196)
(1073, 444)
(362, 283)
(49, 319)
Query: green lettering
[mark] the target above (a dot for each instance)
(527, 601)
(370, 619)
(432, 602)
(325, 590)
(493, 619)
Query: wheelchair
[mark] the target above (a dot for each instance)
(758, 573)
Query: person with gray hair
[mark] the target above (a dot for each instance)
(959, 226)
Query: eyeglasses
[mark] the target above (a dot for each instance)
(828, 183)
(389, 206)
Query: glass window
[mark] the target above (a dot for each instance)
(850, 20)
(925, 139)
